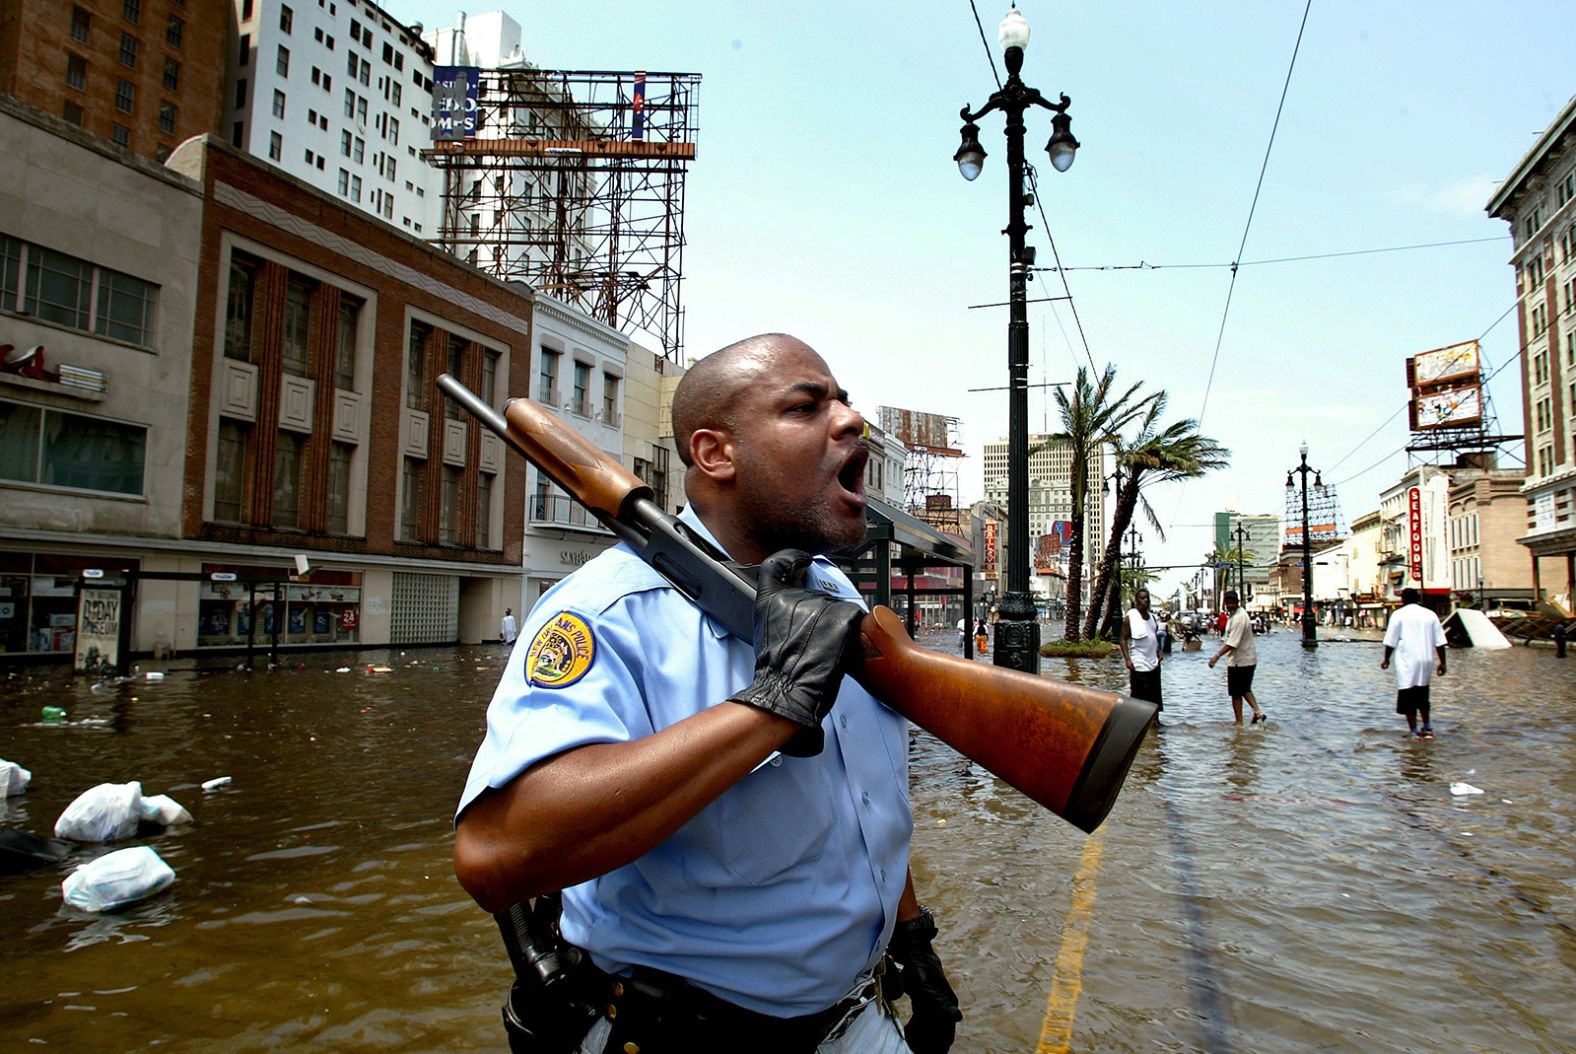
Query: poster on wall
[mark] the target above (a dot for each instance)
(98, 629)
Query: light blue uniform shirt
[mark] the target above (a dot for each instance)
(777, 895)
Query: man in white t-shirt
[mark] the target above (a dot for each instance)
(1140, 642)
(1415, 638)
(1237, 642)
(509, 630)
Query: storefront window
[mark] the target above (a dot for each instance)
(325, 610)
(38, 598)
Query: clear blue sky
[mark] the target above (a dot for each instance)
(824, 202)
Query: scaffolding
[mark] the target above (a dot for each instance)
(1324, 516)
(930, 475)
(574, 184)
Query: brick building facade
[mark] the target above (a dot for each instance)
(144, 74)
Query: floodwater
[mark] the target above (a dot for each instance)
(1311, 884)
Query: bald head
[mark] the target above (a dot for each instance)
(708, 395)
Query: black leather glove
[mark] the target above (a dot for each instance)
(802, 637)
(933, 1024)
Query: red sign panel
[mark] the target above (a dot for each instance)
(1414, 532)
(990, 547)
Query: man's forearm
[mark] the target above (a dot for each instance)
(584, 812)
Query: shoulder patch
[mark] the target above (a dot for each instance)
(561, 652)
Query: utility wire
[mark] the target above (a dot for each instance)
(1221, 336)
(1144, 265)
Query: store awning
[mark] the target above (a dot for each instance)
(918, 546)
(918, 539)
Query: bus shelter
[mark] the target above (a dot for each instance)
(898, 552)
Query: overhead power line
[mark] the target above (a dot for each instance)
(1144, 265)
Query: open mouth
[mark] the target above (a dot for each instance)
(852, 475)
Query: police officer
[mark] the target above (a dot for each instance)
(728, 820)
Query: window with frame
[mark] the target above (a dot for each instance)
(484, 489)
(77, 72)
(456, 368)
(358, 149)
(287, 479)
(244, 55)
(239, 304)
(174, 30)
(490, 361)
(279, 103)
(72, 112)
(167, 116)
(282, 62)
(581, 400)
(240, 92)
(286, 18)
(344, 183)
(128, 51)
(344, 145)
(609, 399)
(547, 378)
(229, 471)
(339, 456)
(297, 327)
(355, 189)
(172, 75)
(55, 448)
(345, 341)
(132, 9)
(449, 525)
(410, 501)
(416, 366)
(81, 24)
(276, 146)
(125, 95)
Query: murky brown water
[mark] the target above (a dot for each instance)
(1309, 885)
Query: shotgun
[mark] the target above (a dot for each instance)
(1065, 746)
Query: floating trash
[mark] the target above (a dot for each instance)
(217, 781)
(1460, 789)
(53, 713)
(379, 669)
(154, 675)
(13, 778)
(102, 814)
(117, 879)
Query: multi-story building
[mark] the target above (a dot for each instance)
(317, 429)
(96, 317)
(1488, 512)
(1421, 562)
(1538, 200)
(579, 375)
(1050, 492)
(339, 96)
(1261, 541)
(144, 74)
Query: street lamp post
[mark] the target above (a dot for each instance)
(1242, 582)
(1310, 637)
(1135, 562)
(1018, 631)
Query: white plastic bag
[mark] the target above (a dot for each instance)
(102, 814)
(13, 778)
(162, 809)
(117, 879)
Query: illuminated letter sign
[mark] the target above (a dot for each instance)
(455, 113)
(1414, 532)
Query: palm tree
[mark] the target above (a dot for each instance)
(1153, 455)
(1091, 416)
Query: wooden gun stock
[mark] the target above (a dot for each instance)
(1065, 746)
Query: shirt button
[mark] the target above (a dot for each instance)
(777, 760)
(842, 719)
(864, 796)
(883, 874)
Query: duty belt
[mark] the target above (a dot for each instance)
(653, 1012)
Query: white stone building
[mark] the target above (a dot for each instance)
(338, 95)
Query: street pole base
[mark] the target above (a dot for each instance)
(1017, 634)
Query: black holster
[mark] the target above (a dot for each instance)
(553, 1000)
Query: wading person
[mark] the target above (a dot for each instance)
(508, 631)
(728, 821)
(1242, 659)
(1414, 638)
(1140, 642)
(981, 635)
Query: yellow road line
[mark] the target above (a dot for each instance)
(1056, 1032)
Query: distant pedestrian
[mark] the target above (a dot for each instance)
(1559, 640)
(509, 630)
(981, 636)
(1140, 643)
(1415, 637)
(1243, 659)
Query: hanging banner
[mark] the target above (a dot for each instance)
(98, 629)
(990, 548)
(1414, 533)
(456, 112)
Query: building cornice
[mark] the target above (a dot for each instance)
(1522, 174)
(555, 309)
